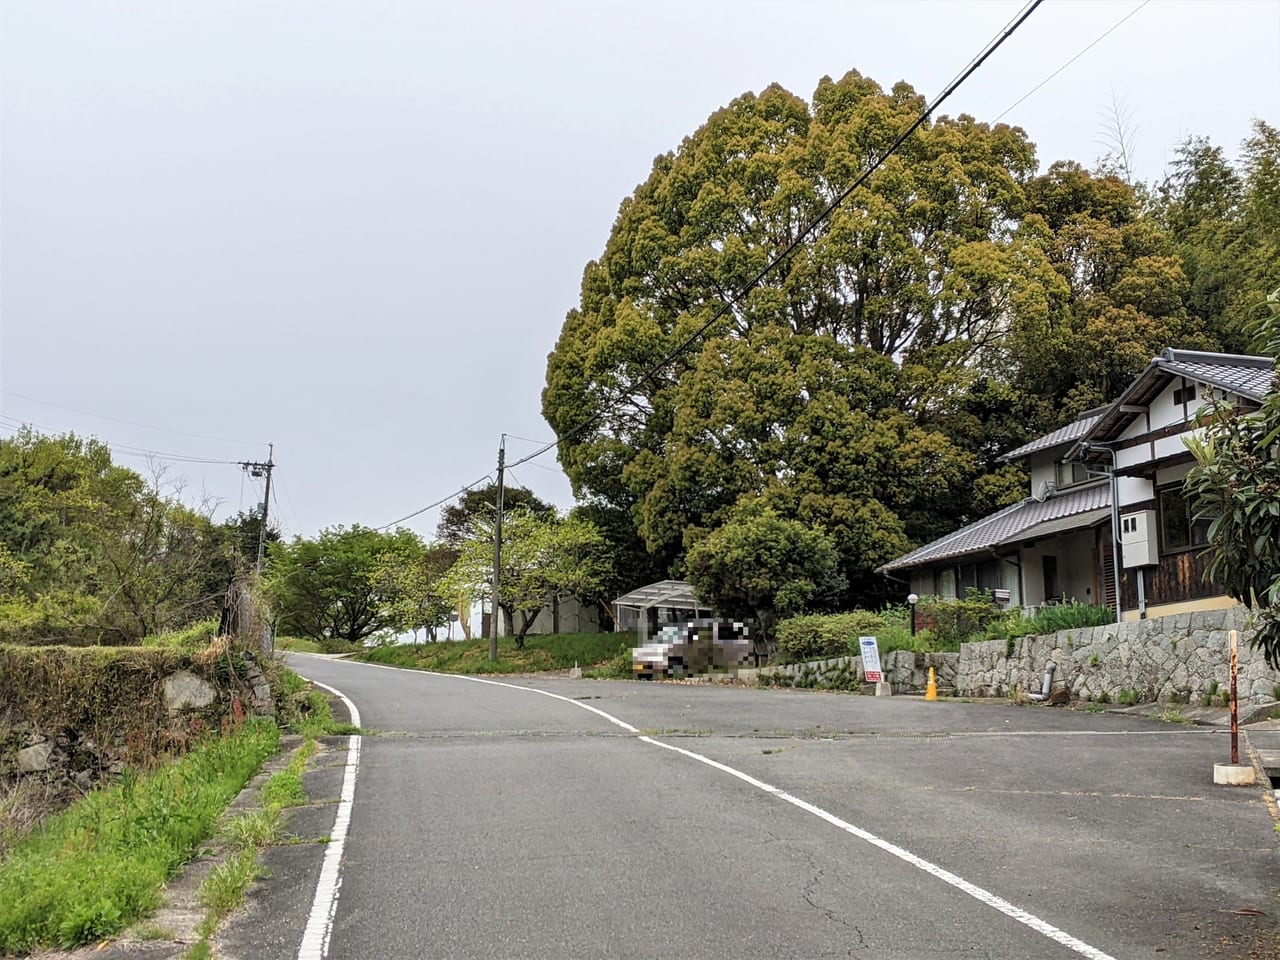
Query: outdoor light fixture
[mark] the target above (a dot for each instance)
(912, 600)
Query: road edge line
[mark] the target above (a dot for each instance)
(324, 907)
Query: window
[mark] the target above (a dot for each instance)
(1185, 394)
(1071, 473)
(1178, 531)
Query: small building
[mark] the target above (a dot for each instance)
(648, 609)
(1113, 477)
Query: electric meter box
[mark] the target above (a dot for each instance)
(1138, 539)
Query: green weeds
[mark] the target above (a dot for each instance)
(555, 652)
(225, 887)
(98, 866)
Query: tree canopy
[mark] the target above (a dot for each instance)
(544, 559)
(760, 565)
(346, 584)
(92, 552)
(956, 305)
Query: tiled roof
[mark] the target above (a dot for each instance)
(1063, 435)
(1249, 379)
(1011, 525)
(1245, 376)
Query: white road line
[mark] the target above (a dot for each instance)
(315, 939)
(980, 894)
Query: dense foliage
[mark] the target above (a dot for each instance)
(544, 559)
(957, 305)
(347, 584)
(92, 552)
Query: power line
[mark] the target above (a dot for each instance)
(513, 436)
(289, 500)
(122, 449)
(1100, 38)
(431, 506)
(132, 423)
(992, 46)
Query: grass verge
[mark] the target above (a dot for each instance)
(297, 645)
(98, 866)
(303, 709)
(228, 883)
(554, 652)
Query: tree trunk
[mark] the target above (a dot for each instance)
(524, 628)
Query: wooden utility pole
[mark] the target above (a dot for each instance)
(497, 552)
(259, 470)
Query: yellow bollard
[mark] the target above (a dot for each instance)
(931, 691)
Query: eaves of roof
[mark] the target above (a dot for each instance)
(1058, 438)
(1012, 525)
(1245, 376)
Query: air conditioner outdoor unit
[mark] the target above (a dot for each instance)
(1138, 543)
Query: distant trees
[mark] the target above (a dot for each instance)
(544, 559)
(348, 584)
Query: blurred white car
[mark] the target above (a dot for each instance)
(699, 646)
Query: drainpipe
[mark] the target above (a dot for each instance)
(1115, 522)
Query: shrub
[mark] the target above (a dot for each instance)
(195, 636)
(1071, 616)
(897, 637)
(816, 636)
(957, 621)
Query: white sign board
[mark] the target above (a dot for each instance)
(871, 659)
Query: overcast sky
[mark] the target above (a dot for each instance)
(353, 229)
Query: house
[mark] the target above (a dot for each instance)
(1111, 477)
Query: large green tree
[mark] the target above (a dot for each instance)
(340, 586)
(1224, 220)
(760, 565)
(824, 388)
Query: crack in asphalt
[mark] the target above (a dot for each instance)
(810, 891)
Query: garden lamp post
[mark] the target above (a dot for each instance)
(912, 600)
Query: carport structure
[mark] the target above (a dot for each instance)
(647, 609)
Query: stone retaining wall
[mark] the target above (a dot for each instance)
(1177, 659)
(905, 671)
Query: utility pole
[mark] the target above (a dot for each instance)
(497, 552)
(259, 470)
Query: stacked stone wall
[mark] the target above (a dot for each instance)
(1177, 659)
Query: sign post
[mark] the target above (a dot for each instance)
(871, 666)
(1235, 773)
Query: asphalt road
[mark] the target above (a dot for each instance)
(492, 822)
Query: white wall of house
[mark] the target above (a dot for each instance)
(1134, 490)
(1074, 553)
(574, 617)
(1043, 470)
